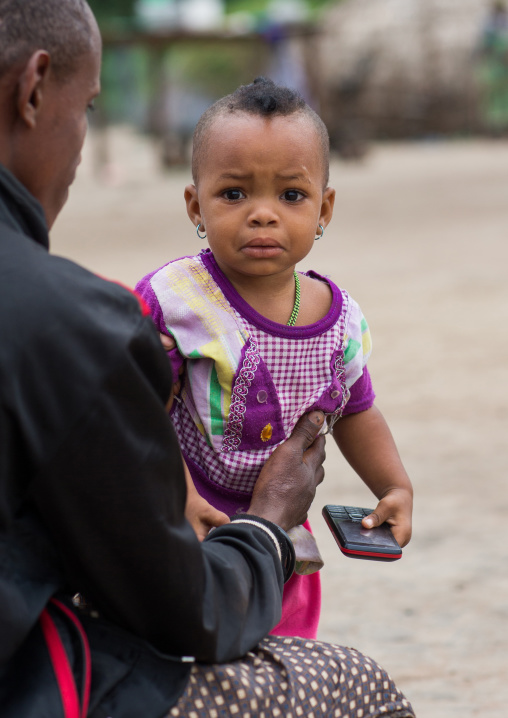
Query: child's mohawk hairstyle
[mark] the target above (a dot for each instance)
(265, 99)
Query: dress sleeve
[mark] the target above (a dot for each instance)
(361, 395)
(111, 492)
(145, 290)
(358, 348)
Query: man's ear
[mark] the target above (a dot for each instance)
(31, 86)
(327, 206)
(193, 208)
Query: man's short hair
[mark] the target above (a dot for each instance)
(265, 99)
(61, 27)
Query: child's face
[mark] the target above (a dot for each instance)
(260, 194)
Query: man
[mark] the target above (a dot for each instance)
(92, 491)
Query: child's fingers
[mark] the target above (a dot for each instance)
(208, 520)
(167, 342)
(372, 520)
(376, 519)
(395, 516)
(402, 535)
(213, 517)
(384, 510)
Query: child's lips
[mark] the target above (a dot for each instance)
(262, 247)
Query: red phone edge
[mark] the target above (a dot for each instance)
(391, 556)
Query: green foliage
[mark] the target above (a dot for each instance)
(213, 70)
(318, 4)
(133, 77)
(245, 5)
(259, 6)
(107, 9)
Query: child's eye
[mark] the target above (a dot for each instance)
(292, 195)
(233, 194)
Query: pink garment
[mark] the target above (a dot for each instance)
(301, 604)
(301, 601)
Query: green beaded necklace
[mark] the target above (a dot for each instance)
(296, 306)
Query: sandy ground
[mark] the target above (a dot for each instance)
(420, 239)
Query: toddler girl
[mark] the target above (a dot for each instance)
(262, 343)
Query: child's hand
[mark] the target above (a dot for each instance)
(168, 343)
(201, 515)
(367, 443)
(396, 509)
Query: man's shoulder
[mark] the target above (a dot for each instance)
(46, 282)
(55, 304)
(67, 332)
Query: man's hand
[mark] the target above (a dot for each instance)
(287, 483)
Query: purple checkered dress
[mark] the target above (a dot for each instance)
(276, 372)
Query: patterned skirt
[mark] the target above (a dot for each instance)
(292, 678)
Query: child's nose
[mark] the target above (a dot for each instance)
(263, 214)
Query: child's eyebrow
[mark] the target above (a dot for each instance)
(248, 175)
(290, 177)
(235, 176)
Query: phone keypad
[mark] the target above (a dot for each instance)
(349, 513)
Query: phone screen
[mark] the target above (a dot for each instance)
(354, 532)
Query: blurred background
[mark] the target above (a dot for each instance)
(373, 69)
(415, 97)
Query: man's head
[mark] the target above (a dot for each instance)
(265, 99)
(49, 75)
(62, 27)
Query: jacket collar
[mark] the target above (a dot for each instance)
(20, 211)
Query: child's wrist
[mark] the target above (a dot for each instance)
(403, 489)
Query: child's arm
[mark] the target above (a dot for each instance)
(367, 444)
(201, 515)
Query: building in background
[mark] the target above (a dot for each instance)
(168, 60)
(406, 68)
(372, 68)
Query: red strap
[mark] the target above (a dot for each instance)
(63, 672)
(86, 651)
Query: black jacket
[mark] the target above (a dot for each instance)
(92, 491)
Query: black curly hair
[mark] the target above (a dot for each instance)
(265, 99)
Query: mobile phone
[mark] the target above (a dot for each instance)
(355, 541)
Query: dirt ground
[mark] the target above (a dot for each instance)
(420, 239)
